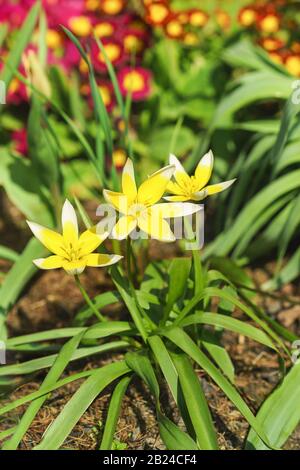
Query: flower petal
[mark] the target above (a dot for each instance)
(128, 181)
(156, 227)
(174, 188)
(74, 267)
(69, 223)
(52, 262)
(217, 188)
(118, 200)
(175, 209)
(152, 190)
(204, 169)
(177, 198)
(200, 195)
(98, 260)
(180, 174)
(124, 227)
(90, 240)
(53, 241)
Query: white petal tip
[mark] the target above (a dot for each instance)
(207, 159)
(38, 262)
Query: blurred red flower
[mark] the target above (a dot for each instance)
(136, 81)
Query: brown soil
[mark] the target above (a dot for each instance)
(51, 300)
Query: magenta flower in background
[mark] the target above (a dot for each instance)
(19, 138)
(135, 80)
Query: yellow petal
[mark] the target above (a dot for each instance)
(174, 209)
(124, 227)
(199, 195)
(97, 260)
(69, 223)
(90, 240)
(118, 200)
(74, 267)
(204, 169)
(53, 241)
(180, 174)
(174, 188)
(52, 262)
(217, 188)
(177, 198)
(152, 190)
(128, 181)
(156, 227)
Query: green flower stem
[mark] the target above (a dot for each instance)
(129, 257)
(87, 298)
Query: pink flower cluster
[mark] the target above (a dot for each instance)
(124, 36)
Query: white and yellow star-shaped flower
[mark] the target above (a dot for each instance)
(194, 188)
(71, 252)
(139, 206)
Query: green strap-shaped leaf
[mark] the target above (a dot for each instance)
(78, 404)
(279, 414)
(196, 403)
(113, 413)
(184, 342)
(53, 375)
(17, 278)
(20, 42)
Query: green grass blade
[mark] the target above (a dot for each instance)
(45, 391)
(8, 254)
(20, 42)
(232, 324)
(279, 414)
(60, 363)
(184, 342)
(173, 437)
(113, 413)
(17, 278)
(34, 365)
(97, 331)
(141, 365)
(78, 404)
(196, 403)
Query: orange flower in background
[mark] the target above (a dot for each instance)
(271, 44)
(190, 39)
(183, 17)
(134, 81)
(197, 17)
(295, 47)
(92, 5)
(112, 7)
(247, 16)
(119, 158)
(292, 63)
(268, 22)
(223, 19)
(157, 13)
(174, 28)
(277, 57)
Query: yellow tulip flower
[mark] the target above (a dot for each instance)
(193, 188)
(139, 206)
(71, 252)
